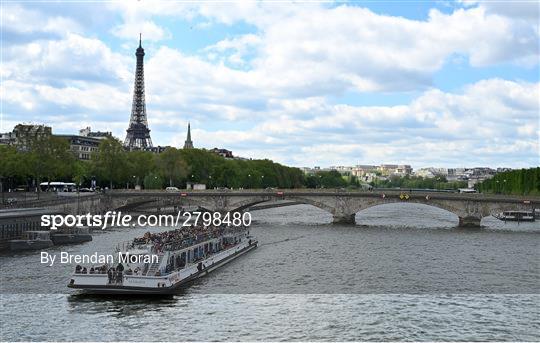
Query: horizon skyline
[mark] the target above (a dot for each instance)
(431, 84)
(324, 166)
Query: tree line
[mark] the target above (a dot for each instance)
(419, 182)
(50, 159)
(518, 182)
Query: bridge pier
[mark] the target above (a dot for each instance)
(344, 219)
(469, 222)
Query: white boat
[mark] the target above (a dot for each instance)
(517, 216)
(149, 266)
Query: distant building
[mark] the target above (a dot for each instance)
(435, 172)
(395, 169)
(370, 177)
(314, 170)
(23, 135)
(387, 169)
(156, 149)
(361, 170)
(402, 170)
(82, 146)
(222, 152)
(188, 143)
(87, 132)
(7, 138)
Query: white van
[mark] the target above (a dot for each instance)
(172, 189)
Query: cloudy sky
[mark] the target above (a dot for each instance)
(303, 83)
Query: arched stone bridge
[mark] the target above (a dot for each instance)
(343, 205)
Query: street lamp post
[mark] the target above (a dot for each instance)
(79, 198)
(2, 188)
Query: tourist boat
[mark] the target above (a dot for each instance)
(31, 240)
(142, 266)
(72, 235)
(517, 216)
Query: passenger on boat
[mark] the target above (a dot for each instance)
(119, 273)
(180, 238)
(110, 275)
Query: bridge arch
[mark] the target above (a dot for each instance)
(407, 214)
(342, 205)
(310, 201)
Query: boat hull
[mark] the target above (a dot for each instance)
(62, 238)
(21, 244)
(173, 288)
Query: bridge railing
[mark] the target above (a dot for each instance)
(413, 193)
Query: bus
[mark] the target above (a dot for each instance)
(57, 186)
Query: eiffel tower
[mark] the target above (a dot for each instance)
(138, 133)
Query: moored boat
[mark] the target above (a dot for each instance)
(160, 263)
(32, 240)
(71, 235)
(517, 216)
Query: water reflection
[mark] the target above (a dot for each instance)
(417, 251)
(121, 305)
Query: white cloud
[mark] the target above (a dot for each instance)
(491, 120)
(266, 93)
(131, 30)
(309, 49)
(16, 18)
(74, 57)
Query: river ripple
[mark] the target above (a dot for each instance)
(403, 273)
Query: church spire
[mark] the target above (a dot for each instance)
(188, 144)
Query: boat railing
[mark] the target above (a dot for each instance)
(173, 245)
(124, 246)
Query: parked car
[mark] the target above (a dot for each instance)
(172, 189)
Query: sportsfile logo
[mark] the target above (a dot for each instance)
(117, 219)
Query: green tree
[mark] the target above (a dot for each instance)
(153, 181)
(172, 166)
(110, 162)
(141, 164)
(519, 182)
(81, 172)
(49, 158)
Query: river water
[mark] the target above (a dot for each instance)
(402, 273)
